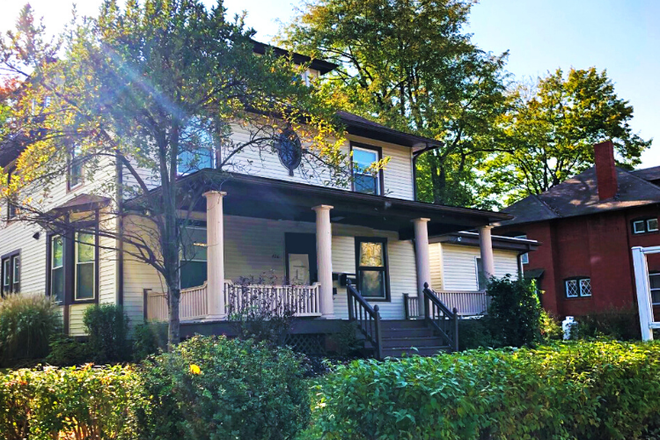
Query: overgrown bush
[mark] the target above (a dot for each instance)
(26, 324)
(345, 343)
(514, 314)
(67, 351)
(475, 333)
(107, 327)
(576, 390)
(258, 311)
(149, 338)
(219, 388)
(550, 327)
(617, 323)
(71, 403)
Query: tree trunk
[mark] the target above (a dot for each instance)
(173, 332)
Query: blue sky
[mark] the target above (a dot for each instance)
(621, 36)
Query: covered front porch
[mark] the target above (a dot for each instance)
(299, 246)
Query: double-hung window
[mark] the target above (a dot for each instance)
(11, 273)
(654, 280)
(57, 268)
(372, 271)
(196, 147)
(578, 287)
(85, 260)
(365, 180)
(193, 257)
(11, 207)
(75, 174)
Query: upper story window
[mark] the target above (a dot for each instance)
(11, 273)
(578, 287)
(646, 225)
(524, 258)
(197, 148)
(12, 211)
(372, 268)
(75, 167)
(365, 180)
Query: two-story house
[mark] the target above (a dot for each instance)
(357, 252)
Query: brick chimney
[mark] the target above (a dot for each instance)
(605, 170)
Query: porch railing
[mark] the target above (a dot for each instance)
(193, 304)
(468, 303)
(303, 301)
(443, 320)
(367, 318)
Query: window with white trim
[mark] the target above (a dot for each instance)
(654, 283)
(644, 226)
(85, 264)
(578, 287)
(365, 180)
(524, 258)
(57, 268)
(11, 273)
(193, 257)
(75, 172)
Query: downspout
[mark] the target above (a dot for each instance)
(119, 266)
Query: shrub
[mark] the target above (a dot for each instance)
(214, 387)
(514, 314)
(260, 313)
(70, 403)
(617, 323)
(345, 343)
(107, 327)
(149, 338)
(550, 327)
(585, 390)
(26, 324)
(66, 351)
(475, 333)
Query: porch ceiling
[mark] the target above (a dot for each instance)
(260, 197)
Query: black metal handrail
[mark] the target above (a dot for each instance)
(367, 318)
(444, 321)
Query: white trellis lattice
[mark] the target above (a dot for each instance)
(643, 283)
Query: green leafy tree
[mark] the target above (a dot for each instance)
(152, 88)
(547, 134)
(410, 65)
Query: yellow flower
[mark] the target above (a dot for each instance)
(194, 369)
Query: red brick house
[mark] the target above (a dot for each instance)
(587, 226)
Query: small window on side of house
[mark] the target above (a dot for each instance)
(639, 227)
(578, 287)
(11, 273)
(644, 226)
(365, 180)
(56, 264)
(652, 225)
(524, 258)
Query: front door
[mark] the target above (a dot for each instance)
(300, 252)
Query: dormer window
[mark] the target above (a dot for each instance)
(364, 179)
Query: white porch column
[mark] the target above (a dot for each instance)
(215, 254)
(486, 248)
(422, 257)
(324, 258)
(643, 290)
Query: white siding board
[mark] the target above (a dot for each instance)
(459, 266)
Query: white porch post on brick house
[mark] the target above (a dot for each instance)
(324, 258)
(422, 257)
(486, 248)
(215, 255)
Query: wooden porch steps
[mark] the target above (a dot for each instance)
(410, 337)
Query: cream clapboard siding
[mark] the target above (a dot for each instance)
(255, 247)
(435, 255)
(76, 325)
(17, 235)
(459, 266)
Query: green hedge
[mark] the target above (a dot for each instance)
(207, 388)
(76, 403)
(577, 390)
